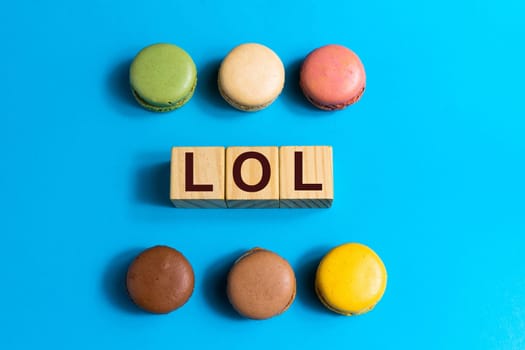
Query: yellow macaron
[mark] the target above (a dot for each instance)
(351, 279)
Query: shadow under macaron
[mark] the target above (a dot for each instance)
(305, 272)
(292, 93)
(214, 285)
(208, 88)
(114, 281)
(120, 91)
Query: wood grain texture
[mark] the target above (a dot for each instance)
(252, 177)
(314, 188)
(208, 169)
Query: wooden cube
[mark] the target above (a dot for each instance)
(306, 177)
(197, 177)
(252, 177)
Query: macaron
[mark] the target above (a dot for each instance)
(160, 280)
(162, 77)
(261, 284)
(251, 77)
(350, 279)
(332, 77)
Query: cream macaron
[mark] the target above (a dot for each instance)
(251, 77)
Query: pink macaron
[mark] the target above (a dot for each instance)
(332, 77)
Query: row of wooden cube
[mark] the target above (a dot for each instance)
(252, 177)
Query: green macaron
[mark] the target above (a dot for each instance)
(162, 77)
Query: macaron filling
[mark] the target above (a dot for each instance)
(159, 107)
(340, 311)
(241, 106)
(335, 107)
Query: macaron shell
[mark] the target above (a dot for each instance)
(351, 279)
(332, 77)
(163, 76)
(261, 284)
(251, 77)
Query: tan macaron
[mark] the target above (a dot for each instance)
(261, 284)
(251, 77)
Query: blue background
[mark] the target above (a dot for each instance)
(429, 172)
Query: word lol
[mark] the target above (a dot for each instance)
(252, 177)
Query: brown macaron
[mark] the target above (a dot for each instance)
(160, 280)
(261, 284)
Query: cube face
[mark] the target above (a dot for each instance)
(306, 177)
(197, 177)
(252, 177)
